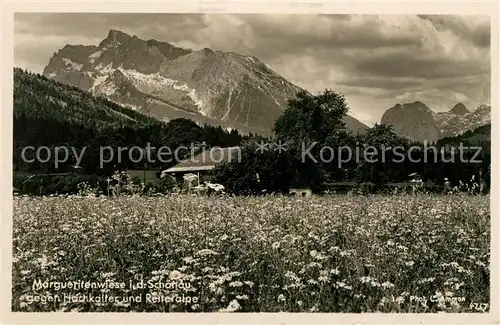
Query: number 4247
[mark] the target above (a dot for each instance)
(483, 307)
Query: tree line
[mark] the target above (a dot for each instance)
(51, 114)
(318, 119)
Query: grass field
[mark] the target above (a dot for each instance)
(191, 253)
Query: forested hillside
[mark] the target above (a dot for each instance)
(480, 136)
(51, 114)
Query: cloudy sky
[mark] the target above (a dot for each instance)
(375, 61)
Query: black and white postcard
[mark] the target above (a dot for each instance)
(216, 162)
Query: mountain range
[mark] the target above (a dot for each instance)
(168, 82)
(418, 122)
(219, 88)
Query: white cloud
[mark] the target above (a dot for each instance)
(459, 97)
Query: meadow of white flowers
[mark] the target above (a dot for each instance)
(255, 254)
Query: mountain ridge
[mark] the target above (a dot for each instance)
(419, 122)
(165, 81)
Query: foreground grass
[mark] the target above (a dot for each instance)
(326, 254)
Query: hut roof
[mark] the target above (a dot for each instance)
(206, 160)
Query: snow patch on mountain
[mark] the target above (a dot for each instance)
(198, 103)
(72, 65)
(95, 56)
(250, 59)
(106, 69)
(151, 83)
(107, 88)
(103, 85)
(99, 80)
(127, 105)
(132, 107)
(99, 53)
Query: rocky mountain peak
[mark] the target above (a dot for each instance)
(165, 81)
(459, 109)
(169, 51)
(116, 37)
(118, 75)
(484, 108)
(208, 51)
(418, 122)
(413, 120)
(418, 105)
